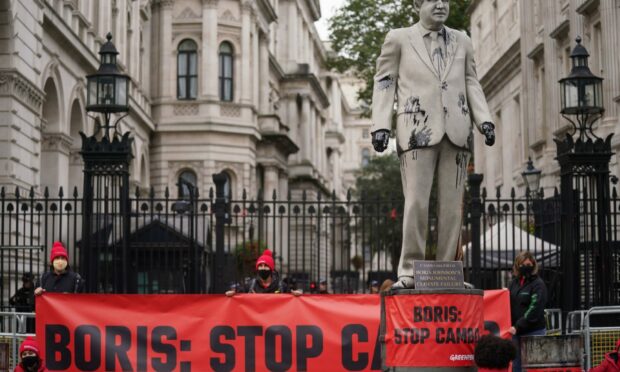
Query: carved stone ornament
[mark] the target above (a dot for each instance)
(56, 142)
(186, 110)
(230, 110)
(228, 16)
(187, 13)
(163, 3)
(14, 84)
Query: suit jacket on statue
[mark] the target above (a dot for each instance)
(429, 106)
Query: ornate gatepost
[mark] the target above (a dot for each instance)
(586, 220)
(104, 257)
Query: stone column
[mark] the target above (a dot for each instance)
(166, 74)
(255, 65)
(610, 11)
(264, 76)
(55, 150)
(245, 55)
(306, 131)
(210, 48)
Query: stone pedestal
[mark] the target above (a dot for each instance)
(541, 353)
(430, 329)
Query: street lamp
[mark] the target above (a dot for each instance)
(582, 93)
(108, 88)
(531, 178)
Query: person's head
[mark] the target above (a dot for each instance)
(494, 353)
(234, 286)
(27, 280)
(374, 287)
(386, 285)
(29, 354)
(59, 257)
(322, 286)
(433, 13)
(525, 265)
(265, 265)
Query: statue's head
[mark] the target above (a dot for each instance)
(433, 13)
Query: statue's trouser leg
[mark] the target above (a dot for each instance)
(417, 170)
(452, 175)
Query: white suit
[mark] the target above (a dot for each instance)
(435, 110)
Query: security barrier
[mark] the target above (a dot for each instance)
(601, 327)
(553, 320)
(15, 330)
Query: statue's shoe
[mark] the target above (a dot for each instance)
(404, 282)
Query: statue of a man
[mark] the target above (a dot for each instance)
(429, 70)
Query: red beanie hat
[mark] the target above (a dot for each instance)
(29, 344)
(58, 250)
(267, 259)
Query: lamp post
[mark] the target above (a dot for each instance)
(108, 88)
(584, 189)
(531, 178)
(106, 178)
(582, 94)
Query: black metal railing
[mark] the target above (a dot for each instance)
(203, 244)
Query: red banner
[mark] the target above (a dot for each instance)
(556, 369)
(497, 313)
(211, 332)
(432, 330)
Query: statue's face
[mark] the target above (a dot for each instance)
(434, 13)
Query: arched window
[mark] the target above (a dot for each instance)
(226, 72)
(187, 182)
(365, 157)
(187, 70)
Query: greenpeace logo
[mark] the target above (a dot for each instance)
(459, 357)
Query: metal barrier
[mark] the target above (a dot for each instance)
(601, 327)
(574, 321)
(553, 320)
(17, 324)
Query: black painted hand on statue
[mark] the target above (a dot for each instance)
(488, 129)
(380, 139)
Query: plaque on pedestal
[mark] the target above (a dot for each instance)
(438, 274)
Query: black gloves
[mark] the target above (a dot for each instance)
(488, 129)
(380, 139)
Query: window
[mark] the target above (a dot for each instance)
(365, 157)
(365, 133)
(227, 186)
(187, 181)
(187, 75)
(226, 72)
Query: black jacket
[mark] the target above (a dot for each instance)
(23, 300)
(67, 282)
(527, 304)
(276, 285)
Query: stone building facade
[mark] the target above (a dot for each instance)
(522, 50)
(238, 86)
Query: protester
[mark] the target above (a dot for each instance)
(374, 287)
(611, 363)
(29, 355)
(386, 285)
(528, 298)
(60, 278)
(323, 287)
(267, 279)
(23, 299)
(493, 353)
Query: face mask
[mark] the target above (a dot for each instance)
(30, 363)
(264, 274)
(60, 265)
(526, 270)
